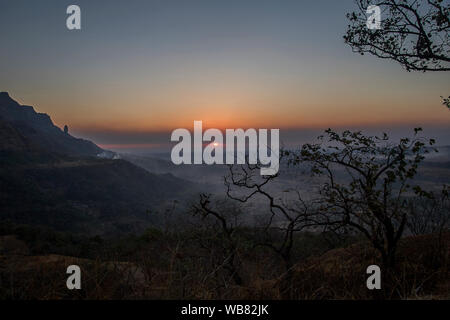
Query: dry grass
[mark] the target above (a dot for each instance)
(422, 273)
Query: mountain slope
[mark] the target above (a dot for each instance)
(86, 196)
(39, 128)
(52, 179)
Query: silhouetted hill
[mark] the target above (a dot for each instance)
(50, 178)
(39, 129)
(94, 196)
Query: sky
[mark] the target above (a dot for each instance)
(139, 69)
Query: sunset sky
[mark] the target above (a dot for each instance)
(139, 69)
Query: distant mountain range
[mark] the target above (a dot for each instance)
(50, 178)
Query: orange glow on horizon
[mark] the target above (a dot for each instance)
(249, 108)
(282, 124)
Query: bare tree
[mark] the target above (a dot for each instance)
(287, 216)
(367, 183)
(225, 223)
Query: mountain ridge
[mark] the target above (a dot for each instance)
(40, 129)
(49, 178)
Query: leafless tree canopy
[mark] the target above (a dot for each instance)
(287, 216)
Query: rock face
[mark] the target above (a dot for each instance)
(38, 129)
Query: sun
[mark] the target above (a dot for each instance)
(215, 144)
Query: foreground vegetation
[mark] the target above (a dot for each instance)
(192, 265)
